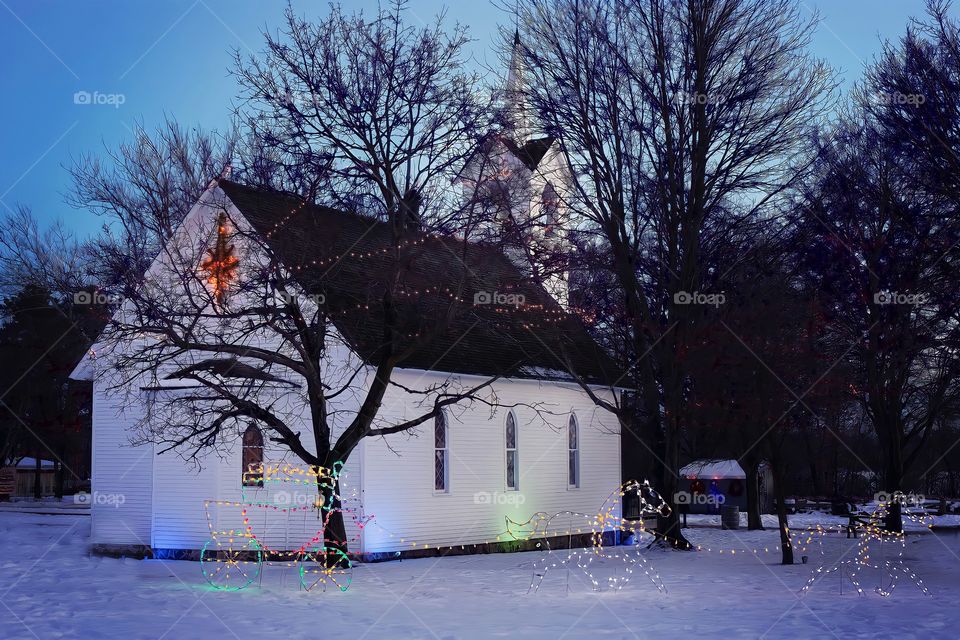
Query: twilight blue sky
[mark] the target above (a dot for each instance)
(171, 57)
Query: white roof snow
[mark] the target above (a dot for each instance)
(713, 469)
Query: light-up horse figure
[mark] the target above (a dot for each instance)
(607, 523)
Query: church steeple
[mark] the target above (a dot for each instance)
(519, 183)
(516, 111)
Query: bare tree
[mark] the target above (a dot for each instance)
(142, 189)
(681, 120)
(882, 246)
(251, 338)
(42, 413)
(381, 113)
(756, 368)
(49, 258)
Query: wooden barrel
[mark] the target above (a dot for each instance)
(730, 517)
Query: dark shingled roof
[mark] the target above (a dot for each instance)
(532, 151)
(480, 339)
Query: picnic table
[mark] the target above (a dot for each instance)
(870, 519)
(860, 518)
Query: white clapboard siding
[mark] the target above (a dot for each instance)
(122, 474)
(181, 489)
(398, 469)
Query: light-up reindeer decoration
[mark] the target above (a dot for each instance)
(608, 521)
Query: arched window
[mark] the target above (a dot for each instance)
(441, 453)
(550, 207)
(573, 452)
(512, 458)
(252, 457)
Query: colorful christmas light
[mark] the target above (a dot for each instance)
(232, 559)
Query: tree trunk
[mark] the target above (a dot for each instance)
(814, 475)
(58, 482)
(786, 545)
(37, 477)
(892, 484)
(894, 519)
(668, 526)
(668, 529)
(334, 530)
(636, 463)
(754, 522)
(951, 476)
(836, 473)
(61, 472)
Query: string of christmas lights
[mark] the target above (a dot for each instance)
(375, 253)
(545, 312)
(606, 521)
(284, 220)
(384, 251)
(873, 533)
(511, 535)
(509, 310)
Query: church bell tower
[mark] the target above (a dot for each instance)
(519, 182)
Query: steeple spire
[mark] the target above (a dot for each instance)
(516, 110)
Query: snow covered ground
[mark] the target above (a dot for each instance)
(52, 588)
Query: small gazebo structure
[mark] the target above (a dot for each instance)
(711, 484)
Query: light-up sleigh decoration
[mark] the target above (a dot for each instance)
(233, 558)
(605, 524)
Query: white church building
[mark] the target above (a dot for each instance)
(456, 481)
